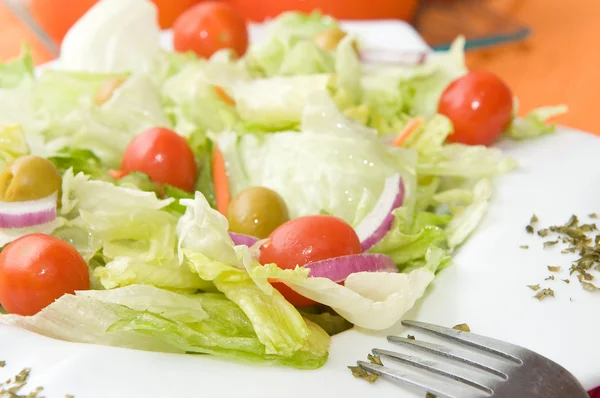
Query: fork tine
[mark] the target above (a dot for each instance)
(441, 369)
(441, 389)
(500, 348)
(480, 361)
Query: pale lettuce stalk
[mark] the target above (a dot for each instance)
(113, 36)
(152, 319)
(332, 165)
(277, 100)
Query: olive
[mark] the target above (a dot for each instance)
(256, 211)
(329, 39)
(29, 178)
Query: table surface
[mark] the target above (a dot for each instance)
(557, 64)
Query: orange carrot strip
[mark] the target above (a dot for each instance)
(224, 96)
(407, 131)
(220, 182)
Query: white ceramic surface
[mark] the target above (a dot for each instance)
(485, 287)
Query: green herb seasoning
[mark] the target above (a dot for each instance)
(566, 281)
(550, 278)
(535, 288)
(360, 373)
(429, 395)
(375, 359)
(529, 229)
(410, 337)
(463, 327)
(576, 237)
(2, 364)
(11, 387)
(542, 294)
(533, 220)
(524, 247)
(590, 287)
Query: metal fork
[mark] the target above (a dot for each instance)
(492, 369)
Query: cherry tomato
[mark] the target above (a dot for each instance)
(37, 269)
(164, 156)
(479, 105)
(306, 239)
(209, 27)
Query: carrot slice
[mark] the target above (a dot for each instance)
(220, 182)
(116, 173)
(224, 96)
(407, 131)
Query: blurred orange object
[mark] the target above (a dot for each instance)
(259, 10)
(169, 10)
(57, 16)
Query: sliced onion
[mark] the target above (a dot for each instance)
(382, 56)
(338, 268)
(379, 221)
(241, 239)
(29, 213)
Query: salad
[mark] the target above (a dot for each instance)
(245, 201)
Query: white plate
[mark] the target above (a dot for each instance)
(485, 287)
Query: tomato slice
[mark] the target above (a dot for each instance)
(304, 240)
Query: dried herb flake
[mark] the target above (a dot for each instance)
(550, 278)
(533, 220)
(543, 232)
(524, 247)
(566, 281)
(554, 269)
(542, 294)
(375, 359)
(550, 243)
(2, 364)
(590, 287)
(463, 327)
(529, 229)
(430, 395)
(593, 215)
(410, 337)
(360, 373)
(534, 287)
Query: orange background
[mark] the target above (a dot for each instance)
(558, 64)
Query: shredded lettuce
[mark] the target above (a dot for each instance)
(535, 123)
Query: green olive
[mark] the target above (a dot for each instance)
(256, 211)
(29, 178)
(329, 39)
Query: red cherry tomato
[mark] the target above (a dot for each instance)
(37, 269)
(479, 105)
(209, 27)
(306, 239)
(164, 156)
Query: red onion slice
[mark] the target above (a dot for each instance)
(379, 221)
(241, 239)
(338, 268)
(29, 213)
